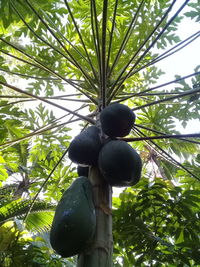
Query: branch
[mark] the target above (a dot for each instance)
(38, 36)
(72, 60)
(167, 53)
(158, 132)
(60, 97)
(169, 156)
(126, 37)
(28, 100)
(159, 86)
(159, 93)
(44, 183)
(20, 59)
(28, 76)
(150, 46)
(103, 54)
(42, 129)
(94, 39)
(60, 33)
(192, 91)
(166, 136)
(17, 102)
(80, 36)
(48, 102)
(111, 34)
(50, 70)
(114, 91)
(95, 28)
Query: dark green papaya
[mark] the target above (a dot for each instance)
(84, 148)
(74, 221)
(119, 163)
(117, 120)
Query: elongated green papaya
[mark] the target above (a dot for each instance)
(74, 221)
(117, 120)
(119, 163)
(84, 148)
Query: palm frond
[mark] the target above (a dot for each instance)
(39, 221)
(18, 208)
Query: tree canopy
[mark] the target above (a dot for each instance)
(61, 63)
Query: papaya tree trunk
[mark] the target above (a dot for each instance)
(100, 252)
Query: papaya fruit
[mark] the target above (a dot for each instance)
(119, 163)
(85, 147)
(83, 171)
(117, 120)
(74, 221)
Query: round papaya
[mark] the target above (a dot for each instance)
(119, 163)
(84, 148)
(117, 120)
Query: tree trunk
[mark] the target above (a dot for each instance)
(100, 252)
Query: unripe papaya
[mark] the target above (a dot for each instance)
(74, 221)
(117, 120)
(119, 163)
(84, 148)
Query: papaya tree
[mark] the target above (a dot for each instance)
(71, 66)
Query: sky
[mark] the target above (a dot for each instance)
(184, 61)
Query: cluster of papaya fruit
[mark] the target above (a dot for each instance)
(118, 162)
(74, 222)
